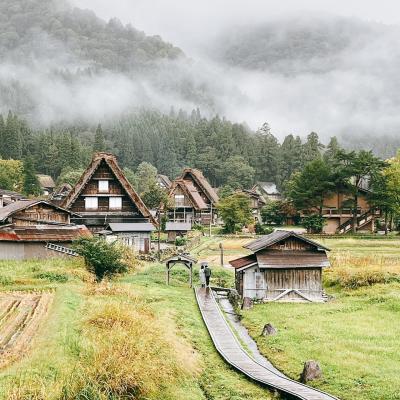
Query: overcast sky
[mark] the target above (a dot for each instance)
(187, 23)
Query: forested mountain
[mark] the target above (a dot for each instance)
(301, 44)
(228, 153)
(32, 29)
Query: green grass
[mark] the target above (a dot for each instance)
(354, 337)
(216, 380)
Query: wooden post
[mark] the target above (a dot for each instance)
(167, 273)
(221, 247)
(159, 236)
(211, 214)
(191, 275)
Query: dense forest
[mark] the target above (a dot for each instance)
(80, 34)
(228, 153)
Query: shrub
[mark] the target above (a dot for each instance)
(52, 277)
(263, 229)
(103, 259)
(313, 223)
(180, 241)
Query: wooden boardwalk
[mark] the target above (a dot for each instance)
(231, 350)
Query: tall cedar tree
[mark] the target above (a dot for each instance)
(99, 140)
(308, 188)
(355, 168)
(31, 182)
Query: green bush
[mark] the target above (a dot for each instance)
(180, 241)
(103, 259)
(263, 229)
(313, 223)
(52, 277)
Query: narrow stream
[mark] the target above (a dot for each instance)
(241, 332)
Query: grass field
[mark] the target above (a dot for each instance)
(355, 336)
(137, 338)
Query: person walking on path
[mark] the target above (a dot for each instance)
(202, 276)
(207, 273)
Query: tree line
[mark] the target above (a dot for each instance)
(229, 154)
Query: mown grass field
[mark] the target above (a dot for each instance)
(137, 338)
(354, 337)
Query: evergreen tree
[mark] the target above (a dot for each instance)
(312, 148)
(31, 182)
(332, 150)
(99, 140)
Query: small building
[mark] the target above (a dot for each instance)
(338, 213)
(103, 195)
(34, 212)
(164, 182)
(267, 190)
(7, 197)
(257, 203)
(283, 266)
(175, 229)
(32, 242)
(61, 193)
(134, 235)
(192, 199)
(47, 184)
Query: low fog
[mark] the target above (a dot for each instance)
(351, 88)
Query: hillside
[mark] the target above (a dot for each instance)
(78, 36)
(306, 44)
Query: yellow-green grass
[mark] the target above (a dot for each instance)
(354, 337)
(176, 302)
(133, 338)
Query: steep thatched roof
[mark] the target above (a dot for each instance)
(198, 177)
(111, 161)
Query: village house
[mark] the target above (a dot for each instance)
(28, 227)
(257, 203)
(164, 182)
(60, 194)
(283, 266)
(339, 215)
(175, 229)
(267, 190)
(37, 241)
(7, 197)
(34, 212)
(104, 196)
(137, 236)
(47, 184)
(192, 199)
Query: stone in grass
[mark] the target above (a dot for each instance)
(269, 330)
(311, 371)
(247, 303)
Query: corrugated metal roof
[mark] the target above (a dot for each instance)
(292, 259)
(243, 261)
(178, 226)
(277, 236)
(131, 227)
(269, 188)
(43, 233)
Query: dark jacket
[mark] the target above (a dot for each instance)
(207, 271)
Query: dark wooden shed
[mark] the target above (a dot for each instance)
(284, 266)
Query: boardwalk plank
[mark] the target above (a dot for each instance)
(232, 351)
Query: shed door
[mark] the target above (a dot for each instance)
(260, 285)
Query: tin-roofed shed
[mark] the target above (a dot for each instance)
(284, 266)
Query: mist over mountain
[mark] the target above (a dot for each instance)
(300, 73)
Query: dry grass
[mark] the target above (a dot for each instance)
(351, 271)
(129, 355)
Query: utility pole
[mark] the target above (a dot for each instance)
(221, 247)
(211, 215)
(159, 235)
